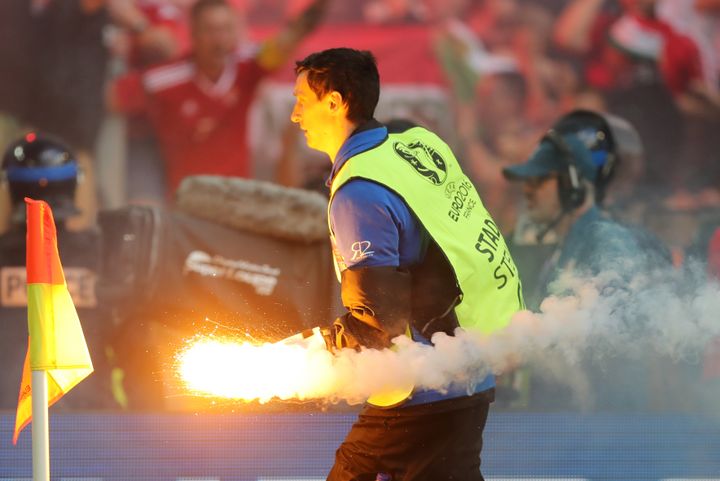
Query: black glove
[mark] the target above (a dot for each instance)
(378, 304)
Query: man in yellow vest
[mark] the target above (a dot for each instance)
(416, 253)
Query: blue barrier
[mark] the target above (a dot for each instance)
(300, 446)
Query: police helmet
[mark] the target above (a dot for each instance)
(612, 141)
(41, 167)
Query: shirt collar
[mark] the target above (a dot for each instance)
(578, 228)
(593, 214)
(222, 86)
(577, 236)
(366, 136)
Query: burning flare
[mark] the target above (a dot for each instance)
(298, 367)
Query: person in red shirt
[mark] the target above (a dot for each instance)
(619, 43)
(646, 71)
(198, 105)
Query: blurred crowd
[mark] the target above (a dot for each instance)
(116, 81)
(147, 93)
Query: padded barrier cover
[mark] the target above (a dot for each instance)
(256, 206)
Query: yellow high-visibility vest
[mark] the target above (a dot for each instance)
(419, 167)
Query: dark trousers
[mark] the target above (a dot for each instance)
(433, 442)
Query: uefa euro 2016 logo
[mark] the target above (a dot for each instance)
(424, 159)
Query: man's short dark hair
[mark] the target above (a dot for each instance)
(201, 5)
(352, 73)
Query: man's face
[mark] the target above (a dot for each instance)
(215, 35)
(541, 198)
(313, 115)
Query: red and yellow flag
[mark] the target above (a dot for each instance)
(56, 344)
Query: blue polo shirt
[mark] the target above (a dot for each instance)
(372, 226)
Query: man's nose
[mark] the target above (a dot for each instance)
(295, 116)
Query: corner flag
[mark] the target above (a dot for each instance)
(56, 344)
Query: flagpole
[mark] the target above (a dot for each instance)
(40, 427)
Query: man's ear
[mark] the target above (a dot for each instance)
(336, 100)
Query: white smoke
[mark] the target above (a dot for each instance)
(671, 317)
(603, 322)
